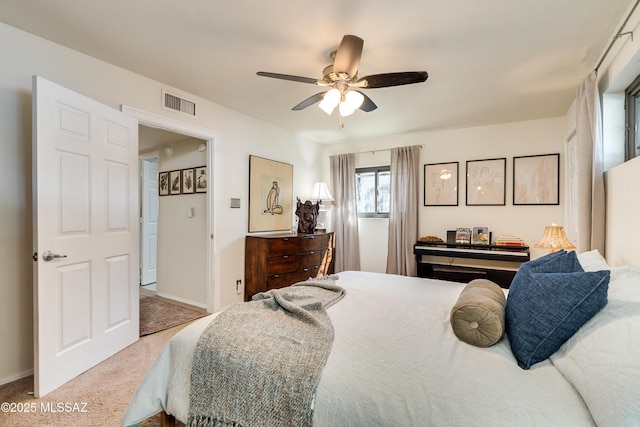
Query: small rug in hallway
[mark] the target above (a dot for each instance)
(157, 315)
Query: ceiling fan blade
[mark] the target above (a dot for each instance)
(287, 77)
(394, 79)
(348, 56)
(309, 101)
(367, 105)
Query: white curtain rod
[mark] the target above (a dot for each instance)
(618, 35)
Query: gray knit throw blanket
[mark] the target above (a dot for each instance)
(259, 363)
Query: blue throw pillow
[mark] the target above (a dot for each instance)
(555, 262)
(549, 299)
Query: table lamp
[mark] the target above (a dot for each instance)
(555, 239)
(321, 194)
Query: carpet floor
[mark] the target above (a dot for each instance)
(157, 314)
(98, 397)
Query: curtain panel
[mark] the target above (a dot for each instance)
(345, 212)
(590, 167)
(403, 212)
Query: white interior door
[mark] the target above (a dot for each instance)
(85, 188)
(149, 221)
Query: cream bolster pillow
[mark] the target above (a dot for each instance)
(477, 318)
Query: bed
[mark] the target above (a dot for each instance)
(395, 360)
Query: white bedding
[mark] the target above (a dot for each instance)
(395, 361)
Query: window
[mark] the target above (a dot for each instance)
(632, 106)
(373, 186)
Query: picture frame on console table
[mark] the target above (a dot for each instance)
(441, 184)
(486, 182)
(270, 195)
(536, 180)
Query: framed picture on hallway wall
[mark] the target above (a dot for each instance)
(270, 195)
(201, 179)
(441, 184)
(175, 182)
(163, 183)
(486, 181)
(536, 180)
(188, 184)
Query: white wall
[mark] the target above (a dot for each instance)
(182, 239)
(26, 55)
(459, 145)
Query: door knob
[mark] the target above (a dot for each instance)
(48, 255)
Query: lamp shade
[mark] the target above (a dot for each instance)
(345, 109)
(330, 101)
(554, 238)
(354, 99)
(321, 192)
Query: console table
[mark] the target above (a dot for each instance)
(514, 255)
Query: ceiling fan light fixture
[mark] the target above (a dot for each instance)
(345, 109)
(342, 74)
(354, 99)
(330, 101)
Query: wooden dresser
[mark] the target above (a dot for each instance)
(278, 260)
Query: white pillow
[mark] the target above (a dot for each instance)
(593, 261)
(602, 360)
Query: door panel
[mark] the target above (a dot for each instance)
(149, 220)
(74, 192)
(85, 210)
(74, 291)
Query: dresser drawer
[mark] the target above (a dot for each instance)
(310, 243)
(283, 246)
(283, 264)
(311, 272)
(281, 280)
(309, 259)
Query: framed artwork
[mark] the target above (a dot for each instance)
(486, 182)
(163, 183)
(270, 195)
(441, 184)
(201, 179)
(536, 180)
(175, 182)
(188, 184)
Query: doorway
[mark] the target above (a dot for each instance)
(172, 222)
(212, 138)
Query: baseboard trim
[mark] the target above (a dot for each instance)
(16, 377)
(182, 300)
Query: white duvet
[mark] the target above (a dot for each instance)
(395, 362)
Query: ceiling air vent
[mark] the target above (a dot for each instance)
(176, 103)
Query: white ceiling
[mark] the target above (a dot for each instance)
(491, 61)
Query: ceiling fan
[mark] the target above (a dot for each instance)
(341, 78)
